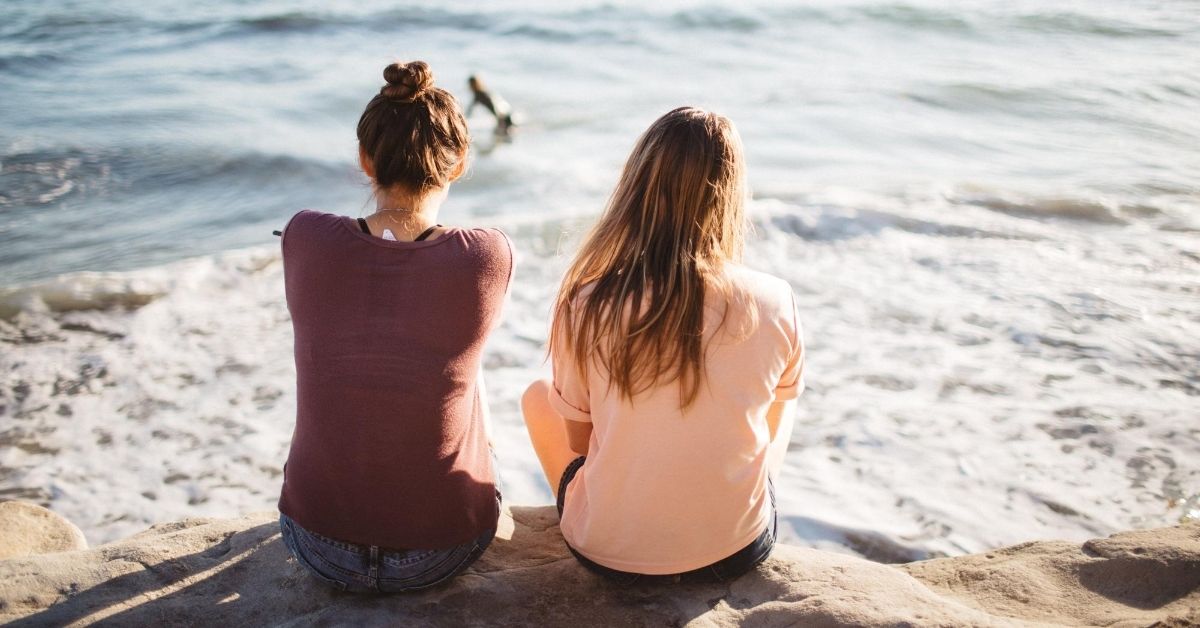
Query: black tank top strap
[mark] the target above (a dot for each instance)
(426, 233)
(362, 224)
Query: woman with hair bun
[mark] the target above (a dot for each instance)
(389, 484)
(674, 368)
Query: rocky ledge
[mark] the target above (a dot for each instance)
(236, 572)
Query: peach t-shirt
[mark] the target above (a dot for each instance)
(666, 491)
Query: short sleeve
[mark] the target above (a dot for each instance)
(791, 383)
(569, 391)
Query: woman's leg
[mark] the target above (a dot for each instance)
(547, 432)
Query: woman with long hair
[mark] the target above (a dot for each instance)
(389, 485)
(674, 368)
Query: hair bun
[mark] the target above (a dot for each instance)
(406, 81)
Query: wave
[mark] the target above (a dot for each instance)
(38, 178)
(718, 18)
(132, 289)
(911, 16)
(1078, 23)
(542, 26)
(555, 25)
(86, 291)
(1082, 209)
(157, 202)
(68, 30)
(1066, 99)
(828, 223)
(956, 19)
(57, 26)
(558, 32)
(288, 22)
(972, 97)
(44, 177)
(28, 64)
(838, 214)
(64, 31)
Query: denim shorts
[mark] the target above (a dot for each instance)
(373, 569)
(724, 570)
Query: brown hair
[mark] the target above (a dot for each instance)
(414, 133)
(674, 219)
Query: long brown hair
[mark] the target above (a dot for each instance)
(633, 298)
(414, 133)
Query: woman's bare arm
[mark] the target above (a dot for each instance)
(578, 435)
(780, 417)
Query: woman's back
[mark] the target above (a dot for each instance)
(673, 368)
(389, 448)
(667, 489)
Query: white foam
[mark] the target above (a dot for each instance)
(975, 379)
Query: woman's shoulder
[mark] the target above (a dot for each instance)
(488, 248)
(771, 300)
(307, 223)
(765, 289)
(490, 235)
(311, 218)
(488, 241)
(316, 217)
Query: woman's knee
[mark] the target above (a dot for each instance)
(535, 397)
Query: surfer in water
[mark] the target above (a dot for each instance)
(494, 103)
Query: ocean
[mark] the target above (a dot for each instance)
(989, 212)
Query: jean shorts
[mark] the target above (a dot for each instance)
(373, 569)
(724, 570)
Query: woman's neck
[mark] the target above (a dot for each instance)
(405, 215)
(422, 207)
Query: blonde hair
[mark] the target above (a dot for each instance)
(633, 297)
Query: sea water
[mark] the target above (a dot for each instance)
(989, 212)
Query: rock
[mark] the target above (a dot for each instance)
(27, 529)
(236, 572)
(1132, 578)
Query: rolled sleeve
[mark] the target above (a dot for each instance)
(791, 383)
(568, 409)
(569, 392)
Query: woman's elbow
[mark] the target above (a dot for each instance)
(578, 436)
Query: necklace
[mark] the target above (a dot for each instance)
(406, 222)
(406, 219)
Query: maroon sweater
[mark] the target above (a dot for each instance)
(389, 447)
